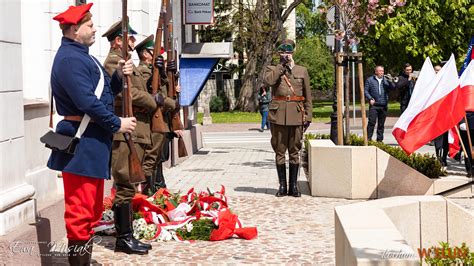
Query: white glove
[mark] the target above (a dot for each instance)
(462, 126)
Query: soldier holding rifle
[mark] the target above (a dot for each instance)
(290, 114)
(75, 77)
(143, 105)
(154, 158)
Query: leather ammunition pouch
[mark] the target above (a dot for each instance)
(59, 142)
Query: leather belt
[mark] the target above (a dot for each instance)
(76, 118)
(288, 98)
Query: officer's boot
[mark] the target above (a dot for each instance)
(159, 177)
(293, 189)
(282, 189)
(123, 225)
(79, 252)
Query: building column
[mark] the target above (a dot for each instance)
(16, 204)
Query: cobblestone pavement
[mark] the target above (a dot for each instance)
(290, 230)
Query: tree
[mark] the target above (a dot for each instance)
(316, 57)
(356, 17)
(222, 28)
(263, 20)
(309, 22)
(434, 28)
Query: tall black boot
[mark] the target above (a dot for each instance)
(79, 252)
(282, 189)
(293, 190)
(159, 177)
(123, 225)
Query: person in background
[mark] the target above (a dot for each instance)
(264, 98)
(464, 137)
(290, 114)
(376, 92)
(405, 85)
(153, 161)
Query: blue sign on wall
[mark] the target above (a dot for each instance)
(193, 74)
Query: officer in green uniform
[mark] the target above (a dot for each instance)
(153, 161)
(143, 105)
(290, 114)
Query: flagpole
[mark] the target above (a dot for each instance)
(463, 149)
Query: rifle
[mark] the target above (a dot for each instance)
(175, 123)
(135, 170)
(157, 121)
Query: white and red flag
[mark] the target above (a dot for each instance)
(467, 86)
(453, 142)
(435, 107)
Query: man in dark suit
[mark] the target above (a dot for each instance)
(290, 113)
(376, 92)
(405, 86)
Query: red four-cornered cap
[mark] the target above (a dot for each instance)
(73, 14)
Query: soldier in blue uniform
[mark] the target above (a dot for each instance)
(74, 77)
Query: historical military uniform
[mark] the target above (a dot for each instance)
(75, 76)
(289, 110)
(143, 104)
(153, 161)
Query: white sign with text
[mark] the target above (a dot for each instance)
(199, 12)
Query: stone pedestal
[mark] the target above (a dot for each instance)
(207, 119)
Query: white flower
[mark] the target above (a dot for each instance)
(165, 235)
(108, 215)
(150, 231)
(136, 235)
(139, 224)
(189, 227)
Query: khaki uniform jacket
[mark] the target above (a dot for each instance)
(141, 99)
(147, 71)
(289, 113)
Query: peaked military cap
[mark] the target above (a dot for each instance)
(73, 14)
(147, 43)
(116, 30)
(287, 46)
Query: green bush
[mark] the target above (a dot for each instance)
(426, 164)
(216, 104)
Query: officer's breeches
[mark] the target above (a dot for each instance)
(286, 138)
(83, 205)
(153, 153)
(125, 190)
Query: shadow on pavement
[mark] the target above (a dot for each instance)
(107, 242)
(303, 187)
(267, 164)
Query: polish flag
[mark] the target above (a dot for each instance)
(453, 142)
(467, 86)
(435, 107)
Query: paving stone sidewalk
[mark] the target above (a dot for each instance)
(291, 230)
